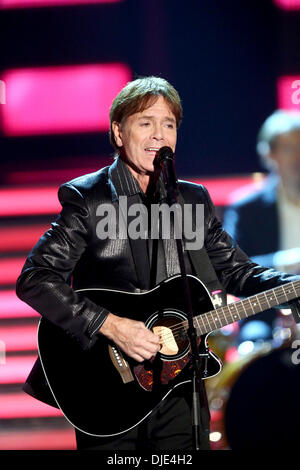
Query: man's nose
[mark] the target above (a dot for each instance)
(157, 132)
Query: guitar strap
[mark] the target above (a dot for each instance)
(205, 272)
(295, 307)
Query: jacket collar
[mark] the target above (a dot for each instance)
(125, 184)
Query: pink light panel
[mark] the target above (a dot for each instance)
(42, 439)
(16, 369)
(56, 100)
(10, 269)
(288, 91)
(12, 307)
(21, 405)
(29, 201)
(288, 4)
(53, 176)
(43, 200)
(20, 238)
(47, 3)
(19, 338)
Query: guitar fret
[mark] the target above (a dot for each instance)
(217, 318)
(294, 289)
(244, 309)
(257, 302)
(201, 318)
(208, 322)
(250, 305)
(273, 298)
(291, 296)
(222, 316)
(226, 318)
(267, 299)
(261, 299)
(284, 293)
(236, 311)
(198, 325)
(212, 316)
(230, 308)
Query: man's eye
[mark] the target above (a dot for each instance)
(145, 123)
(170, 126)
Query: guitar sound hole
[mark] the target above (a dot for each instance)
(182, 335)
(148, 365)
(168, 325)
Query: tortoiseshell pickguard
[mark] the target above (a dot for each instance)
(161, 373)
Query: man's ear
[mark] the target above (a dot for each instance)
(116, 128)
(273, 159)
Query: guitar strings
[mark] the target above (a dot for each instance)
(176, 330)
(207, 323)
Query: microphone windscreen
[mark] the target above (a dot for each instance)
(165, 153)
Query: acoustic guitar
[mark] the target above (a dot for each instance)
(101, 391)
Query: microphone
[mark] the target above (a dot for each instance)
(165, 159)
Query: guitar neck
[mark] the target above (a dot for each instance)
(215, 319)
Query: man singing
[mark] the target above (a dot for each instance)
(144, 117)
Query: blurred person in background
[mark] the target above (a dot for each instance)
(266, 223)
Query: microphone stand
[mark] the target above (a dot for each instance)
(200, 411)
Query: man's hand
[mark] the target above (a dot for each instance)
(131, 336)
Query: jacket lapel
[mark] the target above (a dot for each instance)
(138, 246)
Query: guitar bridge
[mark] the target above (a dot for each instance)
(120, 364)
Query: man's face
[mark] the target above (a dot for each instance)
(286, 154)
(144, 133)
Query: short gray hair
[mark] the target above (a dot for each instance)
(280, 122)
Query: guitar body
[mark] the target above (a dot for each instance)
(104, 393)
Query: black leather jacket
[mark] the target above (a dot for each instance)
(71, 246)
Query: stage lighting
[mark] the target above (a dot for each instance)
(61, 99)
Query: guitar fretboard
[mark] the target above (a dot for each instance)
(215, 319)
